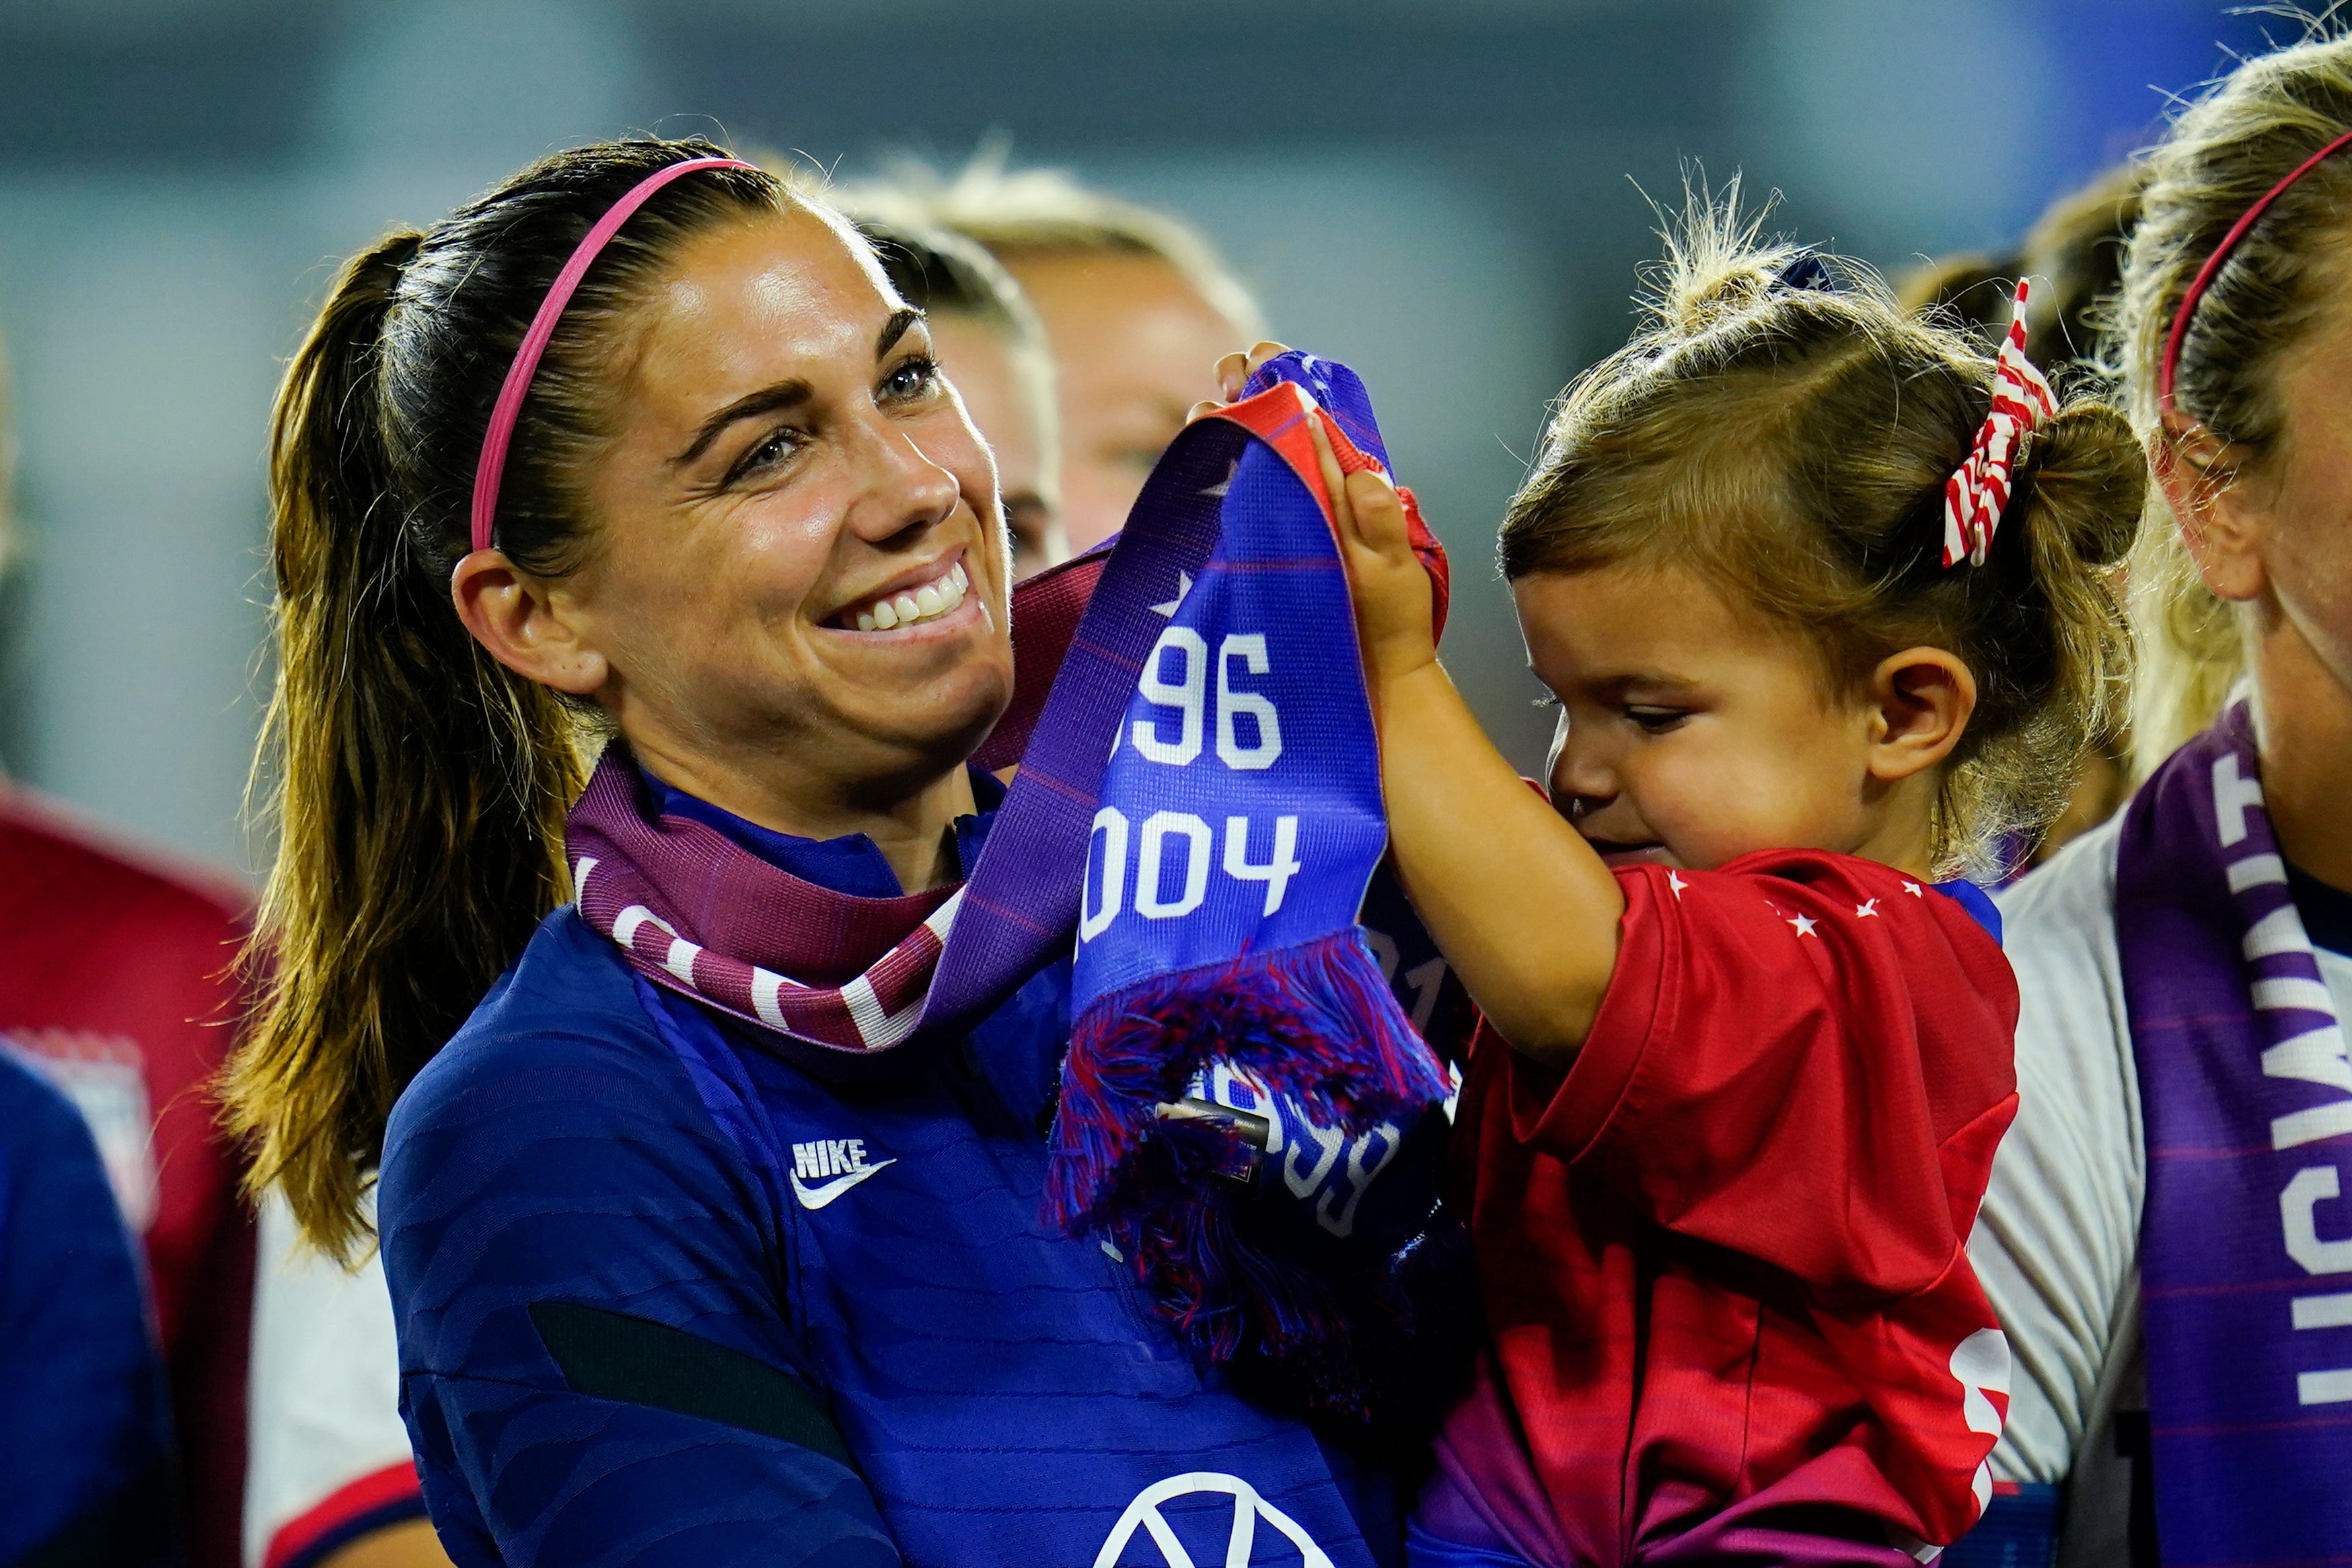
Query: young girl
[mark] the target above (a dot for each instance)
(1819, 627)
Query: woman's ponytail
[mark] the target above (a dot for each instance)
(417, 787)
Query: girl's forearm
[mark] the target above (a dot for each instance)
(1521, 906)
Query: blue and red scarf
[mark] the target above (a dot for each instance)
(1197, 810)
(1219, 958)
(2245, 1240)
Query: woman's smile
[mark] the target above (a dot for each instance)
(919, 597)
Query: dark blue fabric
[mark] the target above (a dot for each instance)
(2326, 911)
(2019, 1529)
(84, 1430)
(589, 1139)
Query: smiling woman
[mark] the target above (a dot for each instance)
(690, 1264)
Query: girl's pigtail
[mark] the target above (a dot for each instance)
(2083, 483)
(417, 788)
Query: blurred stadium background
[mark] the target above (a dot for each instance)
(1451, 194)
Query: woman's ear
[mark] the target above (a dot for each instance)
(2219, 521)
(1920, 700)
(523, 626)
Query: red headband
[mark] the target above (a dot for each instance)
(2170, 364)
(503, 414)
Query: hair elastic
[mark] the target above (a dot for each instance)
(2170, 364)
(504, 412)
(1978, 492)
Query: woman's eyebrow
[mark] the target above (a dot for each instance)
(784, 394)
(751, 405)
(895, 328)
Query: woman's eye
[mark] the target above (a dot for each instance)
(1656, 720)
(771, 451)
(910, 379)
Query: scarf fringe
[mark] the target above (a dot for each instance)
(1315, 1025)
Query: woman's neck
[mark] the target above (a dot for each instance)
(915, 830)
(2306, 752)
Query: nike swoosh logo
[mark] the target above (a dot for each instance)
(824, 1192)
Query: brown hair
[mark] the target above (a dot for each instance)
(419, 786)
(1781, 426)
(2075, 258)
(2223, 153)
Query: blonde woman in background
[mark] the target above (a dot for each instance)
(1137, 308)
(2163, 1238)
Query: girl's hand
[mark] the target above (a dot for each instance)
(1396, 606)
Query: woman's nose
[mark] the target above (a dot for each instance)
(906, 488)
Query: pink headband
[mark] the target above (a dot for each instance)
(1978, 492)
(493, 464)
(2170, 364)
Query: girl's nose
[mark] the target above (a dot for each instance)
(1580, 781)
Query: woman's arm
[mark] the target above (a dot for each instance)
(1523, 908)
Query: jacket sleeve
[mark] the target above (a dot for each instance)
(596, 1362)
(1807, 1060)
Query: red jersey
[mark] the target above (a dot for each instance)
(116, 978)
(1721, 1255)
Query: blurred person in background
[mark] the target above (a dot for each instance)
(117, 982)
(330, 1480)
(2163, 1236)
(992, 349)
(2074, 256)
(1138, 309)
(85, 1426)
(1970, 291)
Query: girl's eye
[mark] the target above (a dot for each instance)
(1656, 720)
(910, 379)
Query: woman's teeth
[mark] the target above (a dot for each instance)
(929, 602)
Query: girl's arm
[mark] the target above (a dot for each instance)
(1520, 904)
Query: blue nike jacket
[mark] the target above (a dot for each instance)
(665, 1299)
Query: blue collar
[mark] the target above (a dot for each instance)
(1976, 901)
(853, 864)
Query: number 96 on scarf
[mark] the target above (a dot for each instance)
(1172, 854)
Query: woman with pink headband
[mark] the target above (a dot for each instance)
(2167, 1237)
(714, 1233)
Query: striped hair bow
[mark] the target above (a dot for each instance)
(1978, 492)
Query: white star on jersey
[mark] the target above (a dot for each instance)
(1867, 910)
(1804, 925)
(1913, 888)
(1183, 587)
(1675, 880)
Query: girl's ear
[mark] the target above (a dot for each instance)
(520, 621)
(1920, 700)
(2219, 521)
